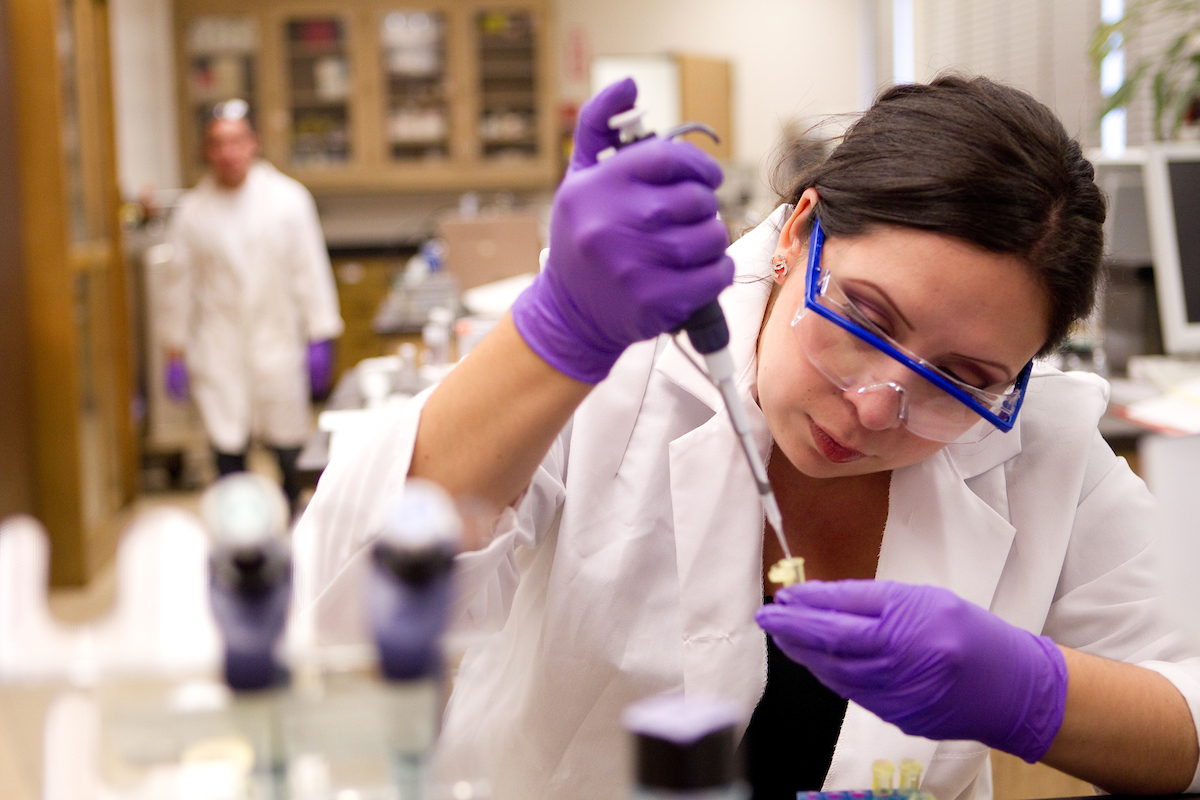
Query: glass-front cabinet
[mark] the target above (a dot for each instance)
(221, 52)
(508, 115)
(380, 94)
(319, 83)
(416, 97)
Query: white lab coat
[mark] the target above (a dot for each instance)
(249, 285)
(632, 565)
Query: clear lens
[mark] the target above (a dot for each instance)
(852, 364)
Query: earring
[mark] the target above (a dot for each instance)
(779, 265)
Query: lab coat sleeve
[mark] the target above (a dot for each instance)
(332, 540)
(1109, 601)
(175, 290)
(312, 275)
(487, 578)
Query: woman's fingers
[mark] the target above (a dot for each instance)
(868, 598)
(821, 630)
(662, 161)
(592, 134)
(683, 203)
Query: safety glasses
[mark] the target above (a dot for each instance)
(845, 346)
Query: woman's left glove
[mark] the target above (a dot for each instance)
(635, 247)
(925, 660)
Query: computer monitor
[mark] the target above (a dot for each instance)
(1172, 181)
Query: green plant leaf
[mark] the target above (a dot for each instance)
(1174, 70)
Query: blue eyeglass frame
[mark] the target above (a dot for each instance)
(1014, 398)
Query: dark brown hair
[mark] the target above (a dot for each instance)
(980, 161)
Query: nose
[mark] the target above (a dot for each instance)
(880, 406)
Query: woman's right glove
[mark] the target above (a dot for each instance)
(635, 247)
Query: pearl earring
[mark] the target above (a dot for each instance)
(779, 265)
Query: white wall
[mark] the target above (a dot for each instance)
(143, 68)
(791, 59)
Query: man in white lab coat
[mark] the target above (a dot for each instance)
(250, 304)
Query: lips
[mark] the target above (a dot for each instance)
(831, 448)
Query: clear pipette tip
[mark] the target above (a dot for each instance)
(775, 518)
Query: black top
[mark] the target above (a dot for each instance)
(790, 741)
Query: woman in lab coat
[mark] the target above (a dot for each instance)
(882, 321)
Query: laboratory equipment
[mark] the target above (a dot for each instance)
(910, 777)
(437, 336)
(684, 747)
(1172, 182)
(787, 571)
(155, 708)
(251, 575)
(409, 589)
(408, 602)
(408, 380)
(859, 794)
(709, 334)
(882, 774)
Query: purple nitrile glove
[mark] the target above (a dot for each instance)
(176, 379)
(592, 134)
(635, 248)
(320, 368)
(925, 660)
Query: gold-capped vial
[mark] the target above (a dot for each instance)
(882, 774)
(787, 571)
(910, 776)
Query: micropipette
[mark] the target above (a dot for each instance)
(709, 335)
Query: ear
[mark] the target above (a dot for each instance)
(793, 241)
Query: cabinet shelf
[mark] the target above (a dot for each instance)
(306, 52)
(312, 102)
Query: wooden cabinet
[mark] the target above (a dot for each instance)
(75, 367)
(378, 95)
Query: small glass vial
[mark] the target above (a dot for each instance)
(910, 777)
(787, 571)
(883, 772)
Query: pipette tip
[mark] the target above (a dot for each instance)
(775, 518)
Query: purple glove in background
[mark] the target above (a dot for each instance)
(925, 660)
(176, 380)
(635, 248)
(320, 368)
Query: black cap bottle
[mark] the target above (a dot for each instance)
(685, 747)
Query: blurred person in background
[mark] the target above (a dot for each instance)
(250, 303)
